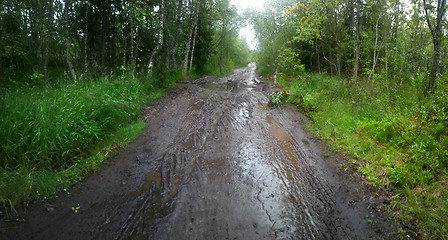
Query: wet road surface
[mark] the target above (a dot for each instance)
(215, 162)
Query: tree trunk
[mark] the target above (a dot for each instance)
(435, 69)
(67, 6)
(221, 60)
(338, 45)
(192, 49)
(436, 32)
(135, 55)
(318, 55)
(375, 52)
(338, 53)
(190, 33)
(104, 35)
(125, 49)
(131, 57)
(86, 63)
(47, 42)
(385, 56)
(169, 46)
(169, 42)
(37, 31)
(356, 25)
(156, 50)
(176, 39)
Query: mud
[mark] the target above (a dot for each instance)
(215, 162)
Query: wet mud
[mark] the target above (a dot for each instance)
(215, 162)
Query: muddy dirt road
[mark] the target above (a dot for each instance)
(215, 162)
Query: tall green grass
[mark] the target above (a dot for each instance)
(52, 127)
(51, 137)
(397, 140)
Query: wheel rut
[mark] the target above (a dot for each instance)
(215, 162)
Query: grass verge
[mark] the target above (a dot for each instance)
(396, 140)
(53, 137)
(26, 183)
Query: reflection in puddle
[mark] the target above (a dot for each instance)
(243, 112)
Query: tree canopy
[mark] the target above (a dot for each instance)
(386, 40)
(42, 40)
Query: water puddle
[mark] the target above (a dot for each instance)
(215, 162)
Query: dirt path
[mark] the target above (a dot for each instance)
(215, 162)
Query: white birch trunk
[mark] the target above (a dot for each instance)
(192, 48)
(157, 49)
(190, 33)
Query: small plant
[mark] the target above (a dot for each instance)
(277, 98)
(35, 77)
(76, 208)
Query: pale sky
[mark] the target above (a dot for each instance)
(248, 32)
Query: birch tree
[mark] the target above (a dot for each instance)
(159, 45)
(189, 38)
(435, 24)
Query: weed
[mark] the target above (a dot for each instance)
(277, 98)
(76, 208)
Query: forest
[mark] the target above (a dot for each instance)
(370, 74)
(45, 40)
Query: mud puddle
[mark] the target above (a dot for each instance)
(215, 162)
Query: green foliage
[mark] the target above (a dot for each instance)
(278, 97)
(26, 182)
(395, 141)
(234, 52)
(380, 130)
(273, 32)
(52, 137)
(204, 70)
(52, 127)
(289, 62)
(107, 37)
(301, 94)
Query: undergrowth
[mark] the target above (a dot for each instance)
(51, 137)
(397, 140)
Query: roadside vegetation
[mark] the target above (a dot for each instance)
(54, 136)
(371, 76)
(75, 77)
(393, 140)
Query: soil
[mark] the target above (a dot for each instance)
(214, 162)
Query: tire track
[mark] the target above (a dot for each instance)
(215, 163)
